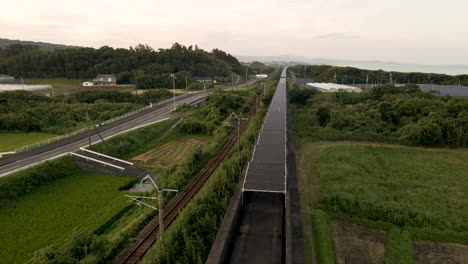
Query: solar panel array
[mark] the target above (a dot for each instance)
(443, 90)
(267, 171)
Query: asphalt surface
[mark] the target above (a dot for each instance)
(260, 236)
(139, 121)
(158, 113)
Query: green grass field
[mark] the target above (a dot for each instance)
(57, 82)
(12, 141)
(168, 154)
(52, 213)
(422, 191)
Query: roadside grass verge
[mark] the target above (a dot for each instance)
(11, 141)
(132, 143)
(49, 215)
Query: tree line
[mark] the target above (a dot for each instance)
(27, 112)
(387, 113)
(141, 65)
(349, 75)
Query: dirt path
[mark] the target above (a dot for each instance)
(356, 243)
(430, 252)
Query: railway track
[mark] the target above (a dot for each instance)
(149, 234)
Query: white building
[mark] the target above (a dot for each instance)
(88, 84)
(43, 89)
(261, 76)
(334, 87)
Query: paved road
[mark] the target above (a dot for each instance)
(151, 117)
(161, 113)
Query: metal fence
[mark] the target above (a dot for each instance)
(76, 132)
(85, 129)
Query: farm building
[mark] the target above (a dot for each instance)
(88, 84)
(39, 89)
(261, 76)
(6, 78)
(333, 87)
(104, 79)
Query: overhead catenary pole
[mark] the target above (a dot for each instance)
(161, 214)
(238, 127)
(160, 199)
(256, 100)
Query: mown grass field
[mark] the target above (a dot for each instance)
(413, 191)
(168, 154)
(57, 82)
(12, 141)
(54, 212)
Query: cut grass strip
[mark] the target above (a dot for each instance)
(12, 141)
(399, 248)
(322, 238)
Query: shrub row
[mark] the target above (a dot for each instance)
(17, 184)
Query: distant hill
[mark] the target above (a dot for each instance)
(42, 45)
(370, 65)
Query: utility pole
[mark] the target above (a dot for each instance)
(367, 80)
(204, 88)
(136, 85)
(232, 82)
(88, 121)
(186, 84)
(246, 77)
(160, 199)
(173, 87)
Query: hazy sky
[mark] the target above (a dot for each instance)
(413, 31)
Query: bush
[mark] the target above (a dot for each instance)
(299, 95)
